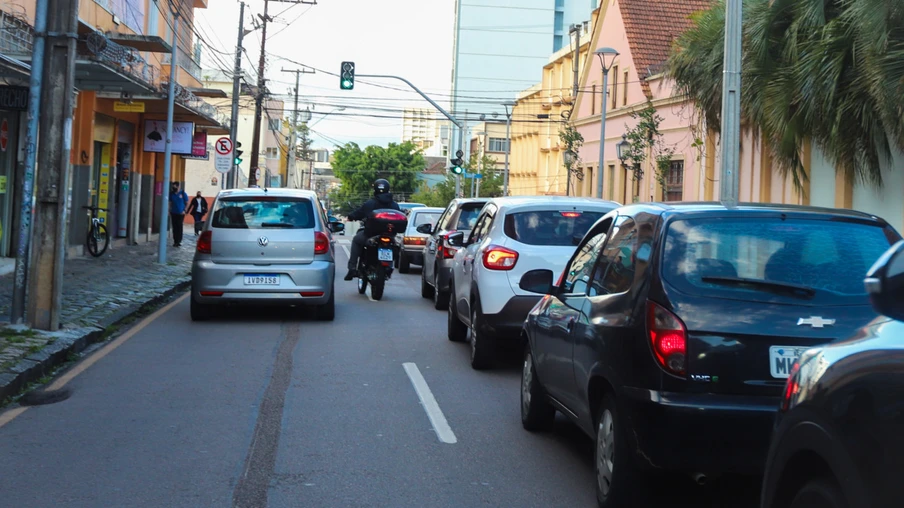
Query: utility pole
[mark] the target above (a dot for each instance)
(17, 314)
(45, 278)
(168, 151)
(236, 92)
(576, 62)
(731, 105)
(259, 96)
(290, 153)
(508, 145)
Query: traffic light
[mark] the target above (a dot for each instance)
(238, 154)
(456, 166)
(347, 76)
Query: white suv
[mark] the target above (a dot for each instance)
(512, 236)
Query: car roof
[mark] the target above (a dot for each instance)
(677, 208)
(426, 209)
(514, 203)
(257, 192)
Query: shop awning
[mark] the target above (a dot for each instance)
(183, 113)
(11, 68)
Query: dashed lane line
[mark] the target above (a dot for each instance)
(434, 413)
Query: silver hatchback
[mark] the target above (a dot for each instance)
(265, 247)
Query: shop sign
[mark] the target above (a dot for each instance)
(128, 107)
(4, 135)
(13, 98)
(199, 145)
(155, 137)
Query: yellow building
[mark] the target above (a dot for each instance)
(537, 165)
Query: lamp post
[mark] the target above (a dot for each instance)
(622, 150)
(508, 144)
(475, 182)
(602, 53)
(568, 157)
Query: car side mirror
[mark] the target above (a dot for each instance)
(885, 283)
(336, 227)
(425, 229)
(537, 281)
(456, 239)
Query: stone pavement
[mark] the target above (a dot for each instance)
(97, 293)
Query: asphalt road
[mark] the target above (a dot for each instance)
(275, 409)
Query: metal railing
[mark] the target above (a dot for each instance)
(99, 48)
(192, 101)
(16, 35)
(187, 62)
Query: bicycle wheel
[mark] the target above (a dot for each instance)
(98, 241)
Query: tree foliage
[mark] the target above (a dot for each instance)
(827, 71)
(444, 192)
(357, 169)
(645, 141)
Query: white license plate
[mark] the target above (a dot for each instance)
(781, 358)
(384, 254)
(261, 279)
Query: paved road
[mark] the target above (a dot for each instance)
(271, 409)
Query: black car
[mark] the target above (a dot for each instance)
(839, 438)
(673, 327)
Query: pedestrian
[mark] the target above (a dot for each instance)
(178, 202)
(198, 209)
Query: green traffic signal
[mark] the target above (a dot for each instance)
(456, 166)
(347, 76)
(238, 158)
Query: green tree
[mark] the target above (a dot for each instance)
(646, 142)
(824, 71)
(357, 169)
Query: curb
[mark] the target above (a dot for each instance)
(71, 341)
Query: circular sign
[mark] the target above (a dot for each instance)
(257, 173)
(224, 146)
(4, 135)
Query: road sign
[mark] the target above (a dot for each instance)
(257, 175)
(473, 175)
(224, 146)
(222, 160)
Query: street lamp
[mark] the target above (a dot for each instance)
(622, 148)
(602, 53)
(508, 144)
(305, 116)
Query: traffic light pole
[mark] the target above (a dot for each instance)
(236, 83)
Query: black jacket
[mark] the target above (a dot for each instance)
(378, 202)
(192, 207)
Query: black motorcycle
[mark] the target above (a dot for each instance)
(380, 250)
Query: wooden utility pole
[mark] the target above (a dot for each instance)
(51, 219)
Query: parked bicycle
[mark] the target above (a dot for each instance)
(98, 240)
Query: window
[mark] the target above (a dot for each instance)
(615, 272)
(322, 156)
(675, 181)
(611, 192)
(615, 87)
(274, 124)
(483, 225)
(497, 145)
(263, 212)
(467, 219)
(550, 227)
(577, 274)
(702, 256)
(593, 99)
(425, 218)
(624, 95)
(272, 153)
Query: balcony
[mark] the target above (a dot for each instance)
(16, 36)
(187, 62)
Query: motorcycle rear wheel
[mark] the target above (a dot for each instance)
(379, 282)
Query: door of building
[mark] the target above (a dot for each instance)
(9, 127)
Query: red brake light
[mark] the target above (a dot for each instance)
(390, 216)
(668, 337)
(571, 214)
(204, 242)
(321, 243)
(792, 386)
(443, 251)
(499, 258)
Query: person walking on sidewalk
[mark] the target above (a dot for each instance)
(178, 202)
(198, 209)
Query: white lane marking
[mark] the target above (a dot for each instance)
(348, 253)
(434, 413)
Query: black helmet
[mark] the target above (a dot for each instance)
(381, 186)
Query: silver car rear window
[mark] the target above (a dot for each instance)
(263, 212)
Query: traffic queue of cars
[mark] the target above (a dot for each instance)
(673, 335)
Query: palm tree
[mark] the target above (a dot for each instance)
(827, 71)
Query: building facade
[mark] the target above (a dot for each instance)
(122, 72)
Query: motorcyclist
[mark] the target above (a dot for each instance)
(382, 200)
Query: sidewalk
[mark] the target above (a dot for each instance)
(98, 293)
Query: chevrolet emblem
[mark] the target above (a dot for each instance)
(815, 322)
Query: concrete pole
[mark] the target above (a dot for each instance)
(731, 105)
(17, 314)
(602, 161)
(236, 92)
(168, 152)
(508, 150)
(51, 200)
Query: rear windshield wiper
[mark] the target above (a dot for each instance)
(778, 287)
(276, 225)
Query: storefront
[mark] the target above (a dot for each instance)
(13, 103)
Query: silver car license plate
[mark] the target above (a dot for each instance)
(261, 279)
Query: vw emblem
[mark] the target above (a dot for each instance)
(263, 241)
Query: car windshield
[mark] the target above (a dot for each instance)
(550, 227)
(263, 212)
(425, 218)
(766, 259)
(468, 217)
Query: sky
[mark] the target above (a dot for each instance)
(407, 38)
